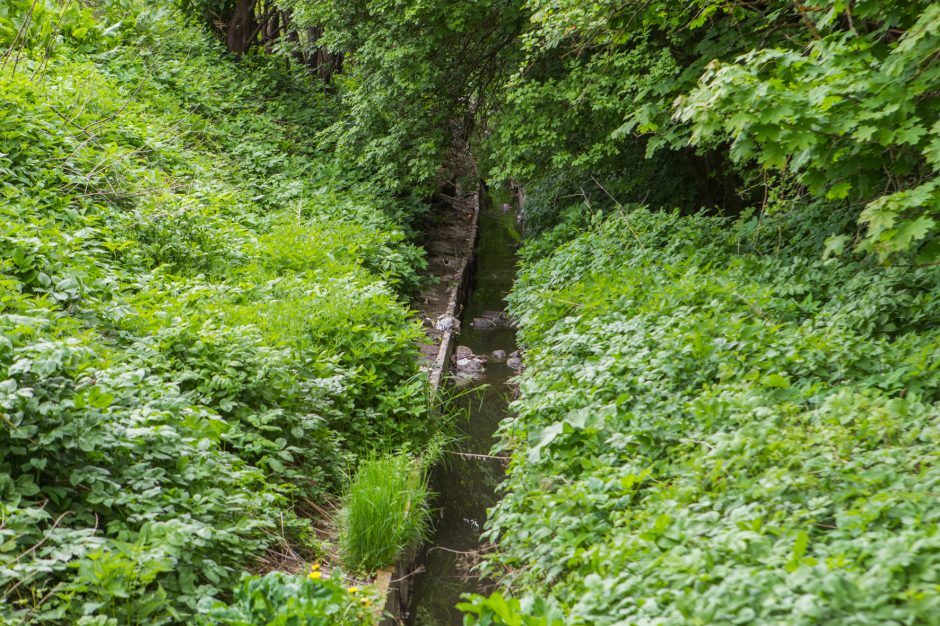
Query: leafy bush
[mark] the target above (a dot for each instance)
(385, 511)
(102, 468)
(201, 315)
(37, 26)
(839, 115)
(501, 611)
(718, 425)
(734, 102)
(278, 598)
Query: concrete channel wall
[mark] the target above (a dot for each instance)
(395, 582)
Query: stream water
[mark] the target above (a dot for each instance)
(466, 485)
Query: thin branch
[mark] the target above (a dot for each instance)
(23, 28)
(418, 570)
(619, 206)
(48, 45)
(485, 457)
(33, 549)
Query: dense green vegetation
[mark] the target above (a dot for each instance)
(202, 315)
(276, 599)
(830, 103)
(731, 404)
(725, 419)
(728, 301)
(700, 104)
(717, 427)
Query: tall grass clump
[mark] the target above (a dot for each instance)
(385, 510)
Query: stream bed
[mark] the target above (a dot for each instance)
(466, 484)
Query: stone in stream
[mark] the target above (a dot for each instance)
(473, 365)
(465, 360)
(500, 318)
(483, 323)
(468, 367)
(514, 361)
(489, 320)
(463, 379)
(447, 322)
(498, 355)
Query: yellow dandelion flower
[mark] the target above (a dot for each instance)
(365, 601)
(314, 575)
(353, 589)
(314, 567)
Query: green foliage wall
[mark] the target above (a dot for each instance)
(702, 104)
(831, 103)
(719, 426)
(201, 314)
(724, 419)
(420, 75)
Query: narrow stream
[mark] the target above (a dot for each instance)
(467, 485)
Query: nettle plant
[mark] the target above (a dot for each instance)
(102, 465)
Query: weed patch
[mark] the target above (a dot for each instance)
(385, 511)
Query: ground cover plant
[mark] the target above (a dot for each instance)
(311, 600)
(201, 314)
(718, 425)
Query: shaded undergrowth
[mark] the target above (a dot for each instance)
(201, 312)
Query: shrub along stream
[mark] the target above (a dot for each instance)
(201, 317)
(718, 425)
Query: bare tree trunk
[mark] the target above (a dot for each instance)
(321, 60)
(247, 25)
(242, 28)
(272, 30)
(310, 54)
